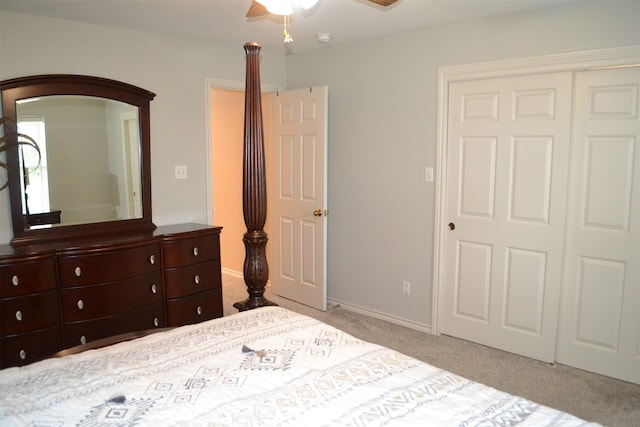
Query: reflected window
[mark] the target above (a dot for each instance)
(35, 179)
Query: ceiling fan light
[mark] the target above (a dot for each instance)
(307, 4)
(278, 7)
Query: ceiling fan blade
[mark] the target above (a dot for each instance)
(256, 9)
(383, 2)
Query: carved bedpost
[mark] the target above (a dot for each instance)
(254, 189)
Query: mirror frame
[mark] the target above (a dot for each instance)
(68, 84)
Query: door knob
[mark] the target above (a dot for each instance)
(317, 212)
(452, 226)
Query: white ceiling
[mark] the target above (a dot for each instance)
(225, 20)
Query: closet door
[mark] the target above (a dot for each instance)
(507, 158)
(600, 323)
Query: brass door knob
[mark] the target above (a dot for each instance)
(317, 212)
(452, 226)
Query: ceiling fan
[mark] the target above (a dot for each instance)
(280, 7)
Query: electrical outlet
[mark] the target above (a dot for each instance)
(181, 171)
(406, 287)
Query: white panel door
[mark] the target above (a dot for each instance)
(507, 157)
(600, 325)
(300, 166)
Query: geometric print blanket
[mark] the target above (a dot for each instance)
(264, 367)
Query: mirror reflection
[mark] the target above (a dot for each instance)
(89, 167)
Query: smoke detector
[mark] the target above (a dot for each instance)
(323, 37)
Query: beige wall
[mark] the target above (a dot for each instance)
(227, 133)
(176, 70)
(383, 100)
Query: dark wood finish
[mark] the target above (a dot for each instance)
(125, 282)
(23, 349)
(90, 302)
(192, 277)
(254, 188)
(27, 275)
(65, 84)
(83, 267)
(77, 333)
(178, 253)
(195, 308)
(29, 313)
(52, 217)
(104, 342)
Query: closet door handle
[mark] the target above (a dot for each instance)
(452, 226)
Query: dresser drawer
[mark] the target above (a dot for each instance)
(180, 282)
(76, 333)
(195, 308)
(109, 299)
(21, 349)
(24, 314)
(27, 277)
(109, 266)
(181, 252)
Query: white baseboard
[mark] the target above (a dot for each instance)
(367, 312)
(233, 273)
(239, 275)
(382, 316)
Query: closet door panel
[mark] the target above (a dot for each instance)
(600, 321)
(507, 156)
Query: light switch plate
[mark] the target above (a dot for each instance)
(428, 174)
(181, 172)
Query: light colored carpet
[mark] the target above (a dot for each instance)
(589, 396)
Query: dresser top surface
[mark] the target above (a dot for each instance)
(105, 240)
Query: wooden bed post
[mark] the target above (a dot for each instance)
(254, 189)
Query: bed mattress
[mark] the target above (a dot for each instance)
(264, 367)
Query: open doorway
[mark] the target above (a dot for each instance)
(226, 109)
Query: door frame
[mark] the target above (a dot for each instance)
(572, 61)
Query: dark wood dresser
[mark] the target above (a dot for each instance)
(58, 295)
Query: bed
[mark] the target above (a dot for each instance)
(268, 366)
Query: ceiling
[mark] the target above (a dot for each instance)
(225, 21)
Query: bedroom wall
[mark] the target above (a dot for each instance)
(383, 98)
(175, 69)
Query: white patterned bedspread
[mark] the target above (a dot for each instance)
(302, 373)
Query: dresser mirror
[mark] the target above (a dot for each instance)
(92, 172)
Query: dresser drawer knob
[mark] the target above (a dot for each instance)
(15, 281)
(196, 279)
(23, 355)
(195, 251)
(152, 259)
(78, 272)
(80, 304)
(199, 310)
(156, 321)
(19, 316)
(154, 289)
(83, 340)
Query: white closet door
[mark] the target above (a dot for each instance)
(507, 158)
(600, 325)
